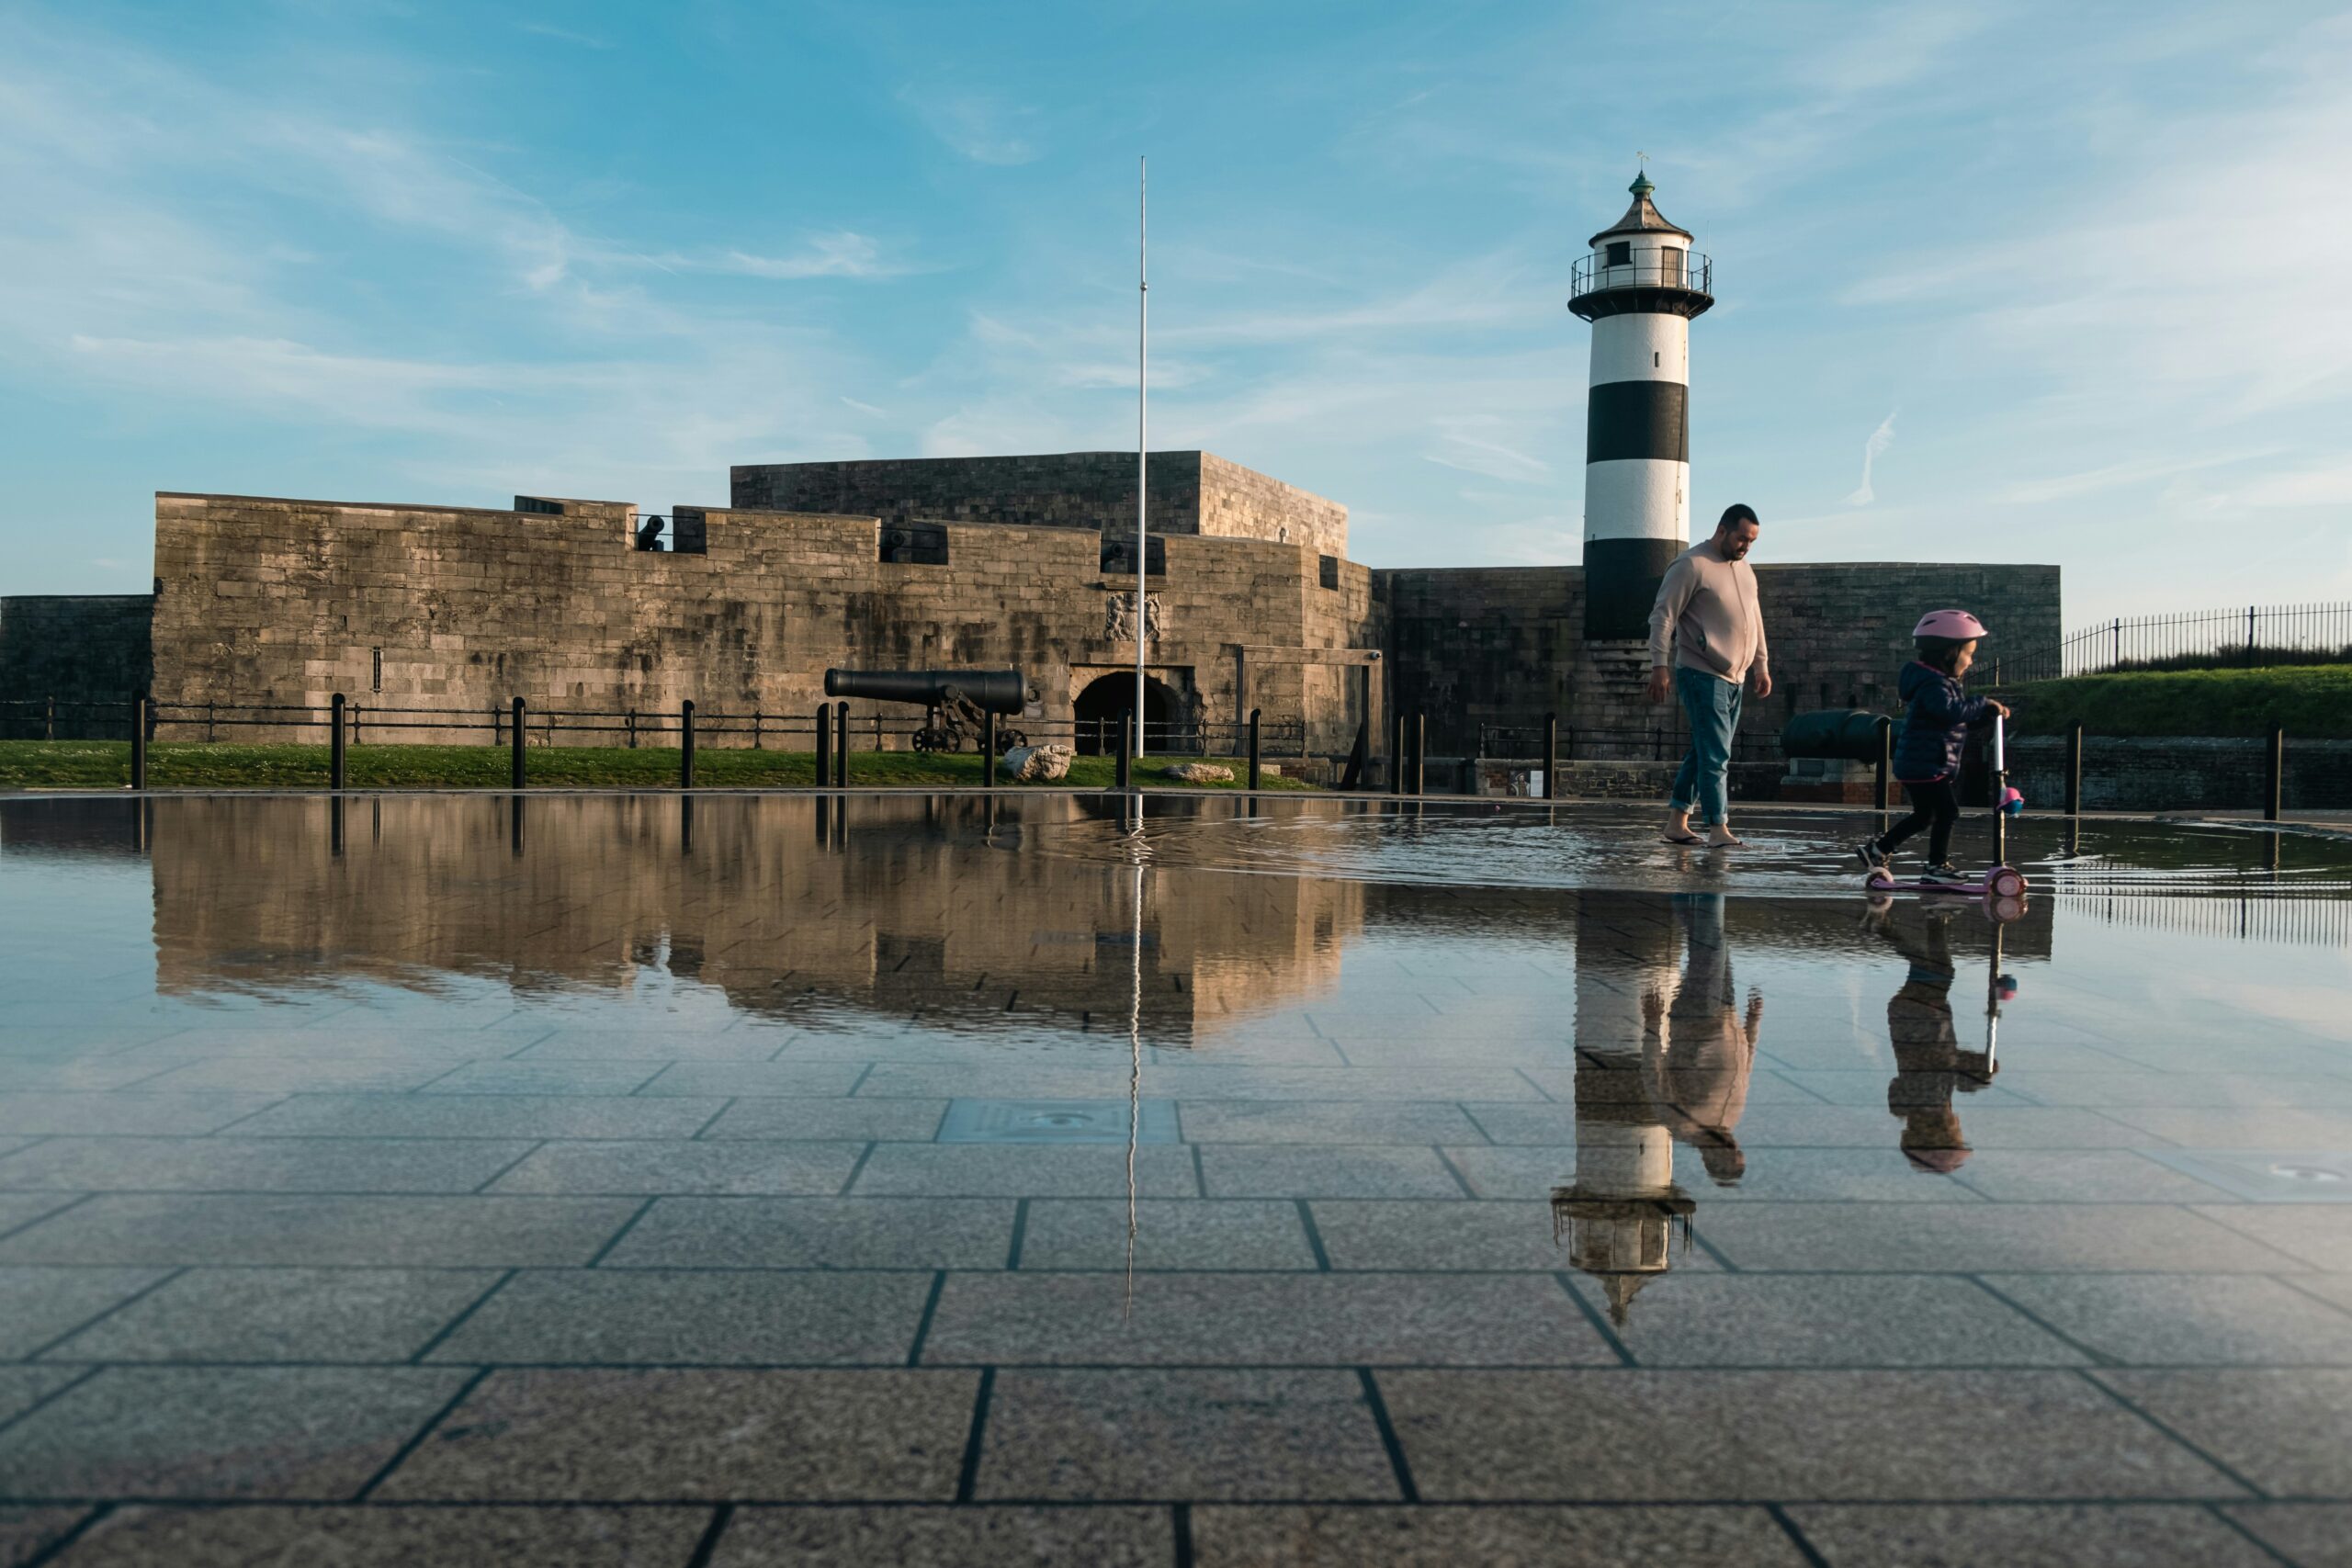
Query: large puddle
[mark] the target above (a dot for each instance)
(1307, 1147)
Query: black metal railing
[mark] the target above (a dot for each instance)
(2243, 636)
(1580, 743)
(493, 724)
(1663, 268)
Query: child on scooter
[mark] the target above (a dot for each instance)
(1935, 731)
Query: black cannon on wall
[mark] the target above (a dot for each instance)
(955, 702)
(1846, 735)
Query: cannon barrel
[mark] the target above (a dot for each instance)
(996, 691)
(1848, 735)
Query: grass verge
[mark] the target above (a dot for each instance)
(2313, 700)
(103, 764)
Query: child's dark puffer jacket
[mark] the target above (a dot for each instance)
(1935, 723)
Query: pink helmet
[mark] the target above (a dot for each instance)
(1957, 625)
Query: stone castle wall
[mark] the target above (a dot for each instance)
(75, 649)
(1503, 646)
(274, 601)
(1187, 492)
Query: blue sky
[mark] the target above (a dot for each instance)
(2073, 276)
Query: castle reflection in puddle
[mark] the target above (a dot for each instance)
(930, 923)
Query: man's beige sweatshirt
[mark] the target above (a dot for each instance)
(1707, 607)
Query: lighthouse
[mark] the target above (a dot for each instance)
(1640, 288)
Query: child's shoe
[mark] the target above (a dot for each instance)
(1870, 855)
(1946, 874)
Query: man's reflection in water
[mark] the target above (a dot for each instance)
(1930, 1064)
(1661, 1057)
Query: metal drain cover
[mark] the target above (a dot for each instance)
(1056, 1122)
(2267, 1176)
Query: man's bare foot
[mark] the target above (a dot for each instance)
(1677, 828)
(1723, 838)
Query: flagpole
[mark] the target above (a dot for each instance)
(1143, 447)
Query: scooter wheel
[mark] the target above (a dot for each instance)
(1880, 880)
(2004, 882)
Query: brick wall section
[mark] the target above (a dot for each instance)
(1189, 492)
(1504, 644)
(78, 648)
(2180, 773)
(270, 601)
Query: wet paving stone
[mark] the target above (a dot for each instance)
(616, 1436)
(923, 1537)
(1228, 1536)
(161, 1230)
(279, 1432)
(283, 1315)
(389, 1537)
(633, 1316)
(2025, 1536)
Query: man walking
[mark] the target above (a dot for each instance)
(1706, 607)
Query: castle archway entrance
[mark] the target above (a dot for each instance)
(1108, 699)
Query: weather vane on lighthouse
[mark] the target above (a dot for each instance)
(1640, 288)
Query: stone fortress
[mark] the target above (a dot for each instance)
(1253, 602)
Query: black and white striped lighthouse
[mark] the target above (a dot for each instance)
(1640, 288)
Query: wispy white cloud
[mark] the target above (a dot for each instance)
(1872, 449)
(563, 35)
(841, 253)
(977, 125)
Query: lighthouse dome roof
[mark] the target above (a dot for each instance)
(1642, 218)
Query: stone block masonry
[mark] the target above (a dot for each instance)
(1503, 646)
(74, 649)
(1188, 492)
(277, 600)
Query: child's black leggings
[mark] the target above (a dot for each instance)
(1935, 806)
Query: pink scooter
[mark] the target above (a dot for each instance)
(2001, 880)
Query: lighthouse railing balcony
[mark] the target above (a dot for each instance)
(1649, 269)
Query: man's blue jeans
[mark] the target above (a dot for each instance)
(1713, 709)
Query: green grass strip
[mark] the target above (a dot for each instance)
(103, 764)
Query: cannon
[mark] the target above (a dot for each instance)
(955, 702)
(1845, 735)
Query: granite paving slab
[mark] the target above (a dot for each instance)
(1183, 1435)
(983, 1171)
(1981, 1236)
(1093, 1233)
(26, 1533)
(819, 1233)
(1276, 1171)
(2317, 1235)
(283, 1315)
(1294, 1124)
(618, 1435)
(1261, 1320)
(481, 1116)
(1231, 1536)
(125, 1113)
(1889, 1320)
(39, 1304)
(732, 1317)
(921, 1537)
(251, 1536)
(1699, 1435)
(2315, 1535)
(2196, 1319)
(2286, 1430)
(164, 1229)
(2105, 1535)
(648, 1167)
(231, 1163)
(1452, 1236)
(280, 1432)
(892, 1121)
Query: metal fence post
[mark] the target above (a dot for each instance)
(686, 744)
(988, 749)
(514, 772)
(1254, 752)
(2074, 780)
(138, 742)
(1397, 759)
(1126, 751)
(1551, 756)
(1883, 783)
(1420, 752)
(824, 744)
(841, 746)
(2273, 783)
(49, 721)
(334, 742)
